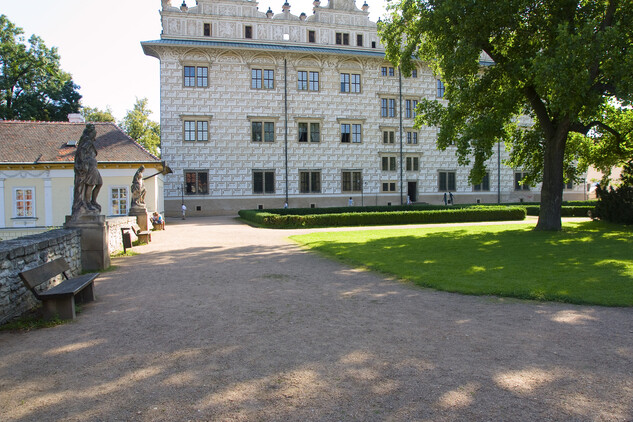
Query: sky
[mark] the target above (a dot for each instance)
(99, 43)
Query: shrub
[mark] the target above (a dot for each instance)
(616, 205)
(358, 218)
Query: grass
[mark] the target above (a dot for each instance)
(32, 321)
(585, 263)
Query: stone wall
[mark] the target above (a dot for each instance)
(114, 231)
(28, 252)
(15, 232)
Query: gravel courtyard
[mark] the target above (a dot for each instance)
(219, 321)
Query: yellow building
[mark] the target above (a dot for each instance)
(37, 173)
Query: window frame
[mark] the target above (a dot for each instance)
(191, 131)
(311, 84)
(310, 181)
(263, 133)
(412, 137)
(521, 175)
(125, 200)
(388, 163)
(265, 173)
(248, 32)
(261, 78)
(447, 181)
(440, 88)
(309, 131)
(195, 80)
(351, 83)
(197, 182)
(390, 186)
(352, 179)
(484, 186)
(32, 201)
(412, 163)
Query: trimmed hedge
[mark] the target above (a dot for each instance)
(565, 210)
(361, 217)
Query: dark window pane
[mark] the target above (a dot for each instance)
(269, 182)
(258, 182)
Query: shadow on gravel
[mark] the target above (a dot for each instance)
(276, 333)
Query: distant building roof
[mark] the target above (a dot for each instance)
(55, 142)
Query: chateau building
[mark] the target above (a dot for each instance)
(261, 109)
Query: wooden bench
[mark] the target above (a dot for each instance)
(143, 236)
(59, 300)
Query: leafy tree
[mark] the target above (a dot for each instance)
(563, 65)
(32, 84)
(616, 205)
(138, 126)
(91, 114)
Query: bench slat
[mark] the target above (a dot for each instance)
(70, 287)
(36, 276)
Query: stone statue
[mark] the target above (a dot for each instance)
(138, 190)
(88, 180)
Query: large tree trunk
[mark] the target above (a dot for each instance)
(549, 217)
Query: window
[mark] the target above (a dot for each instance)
(446, 181)
(262, 78)
(196, 130)
(387, 107)
(248, 32)
(202, 76)
(24, 202)
(196, 76)
(118, 200)
(307, 80)
(311, 36)
(388, 136)
(342, 38)
(359, 40)
(196, 182)
(207, 29)
(389, 163)
(263, 181)
(263, 131)
(350, 82)
(568, 185)
(518, 177)
(412, 138)
(352, 181)
(310, 181)
(413, 163)
(409, 109)
(388, 186)
(355, 82)
(351, 132)
(309, 131)
(414, 73)
(314, 81)
(302, 80)
(484, 185)
(440, 89)
(387, 71)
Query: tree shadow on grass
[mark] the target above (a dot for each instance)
(587, 263)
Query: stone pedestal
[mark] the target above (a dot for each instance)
(142, 217)
(95, 252)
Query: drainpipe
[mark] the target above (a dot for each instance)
(401, 128)
(499, 172)
(286, 124)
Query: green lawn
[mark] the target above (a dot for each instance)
(586, 263)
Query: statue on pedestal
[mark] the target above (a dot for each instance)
(88, 180)
(138, 189)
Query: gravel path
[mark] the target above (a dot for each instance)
(219, 321)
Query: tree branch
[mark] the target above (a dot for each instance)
(539, 108)
(584, 129)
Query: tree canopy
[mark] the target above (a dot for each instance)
(32, 84)
(94, 114)
(139, 127)
(550, 78)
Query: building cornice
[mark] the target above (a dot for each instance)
(258, 46)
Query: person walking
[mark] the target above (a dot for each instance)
(184, 211)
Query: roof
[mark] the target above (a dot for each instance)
(47, 142)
